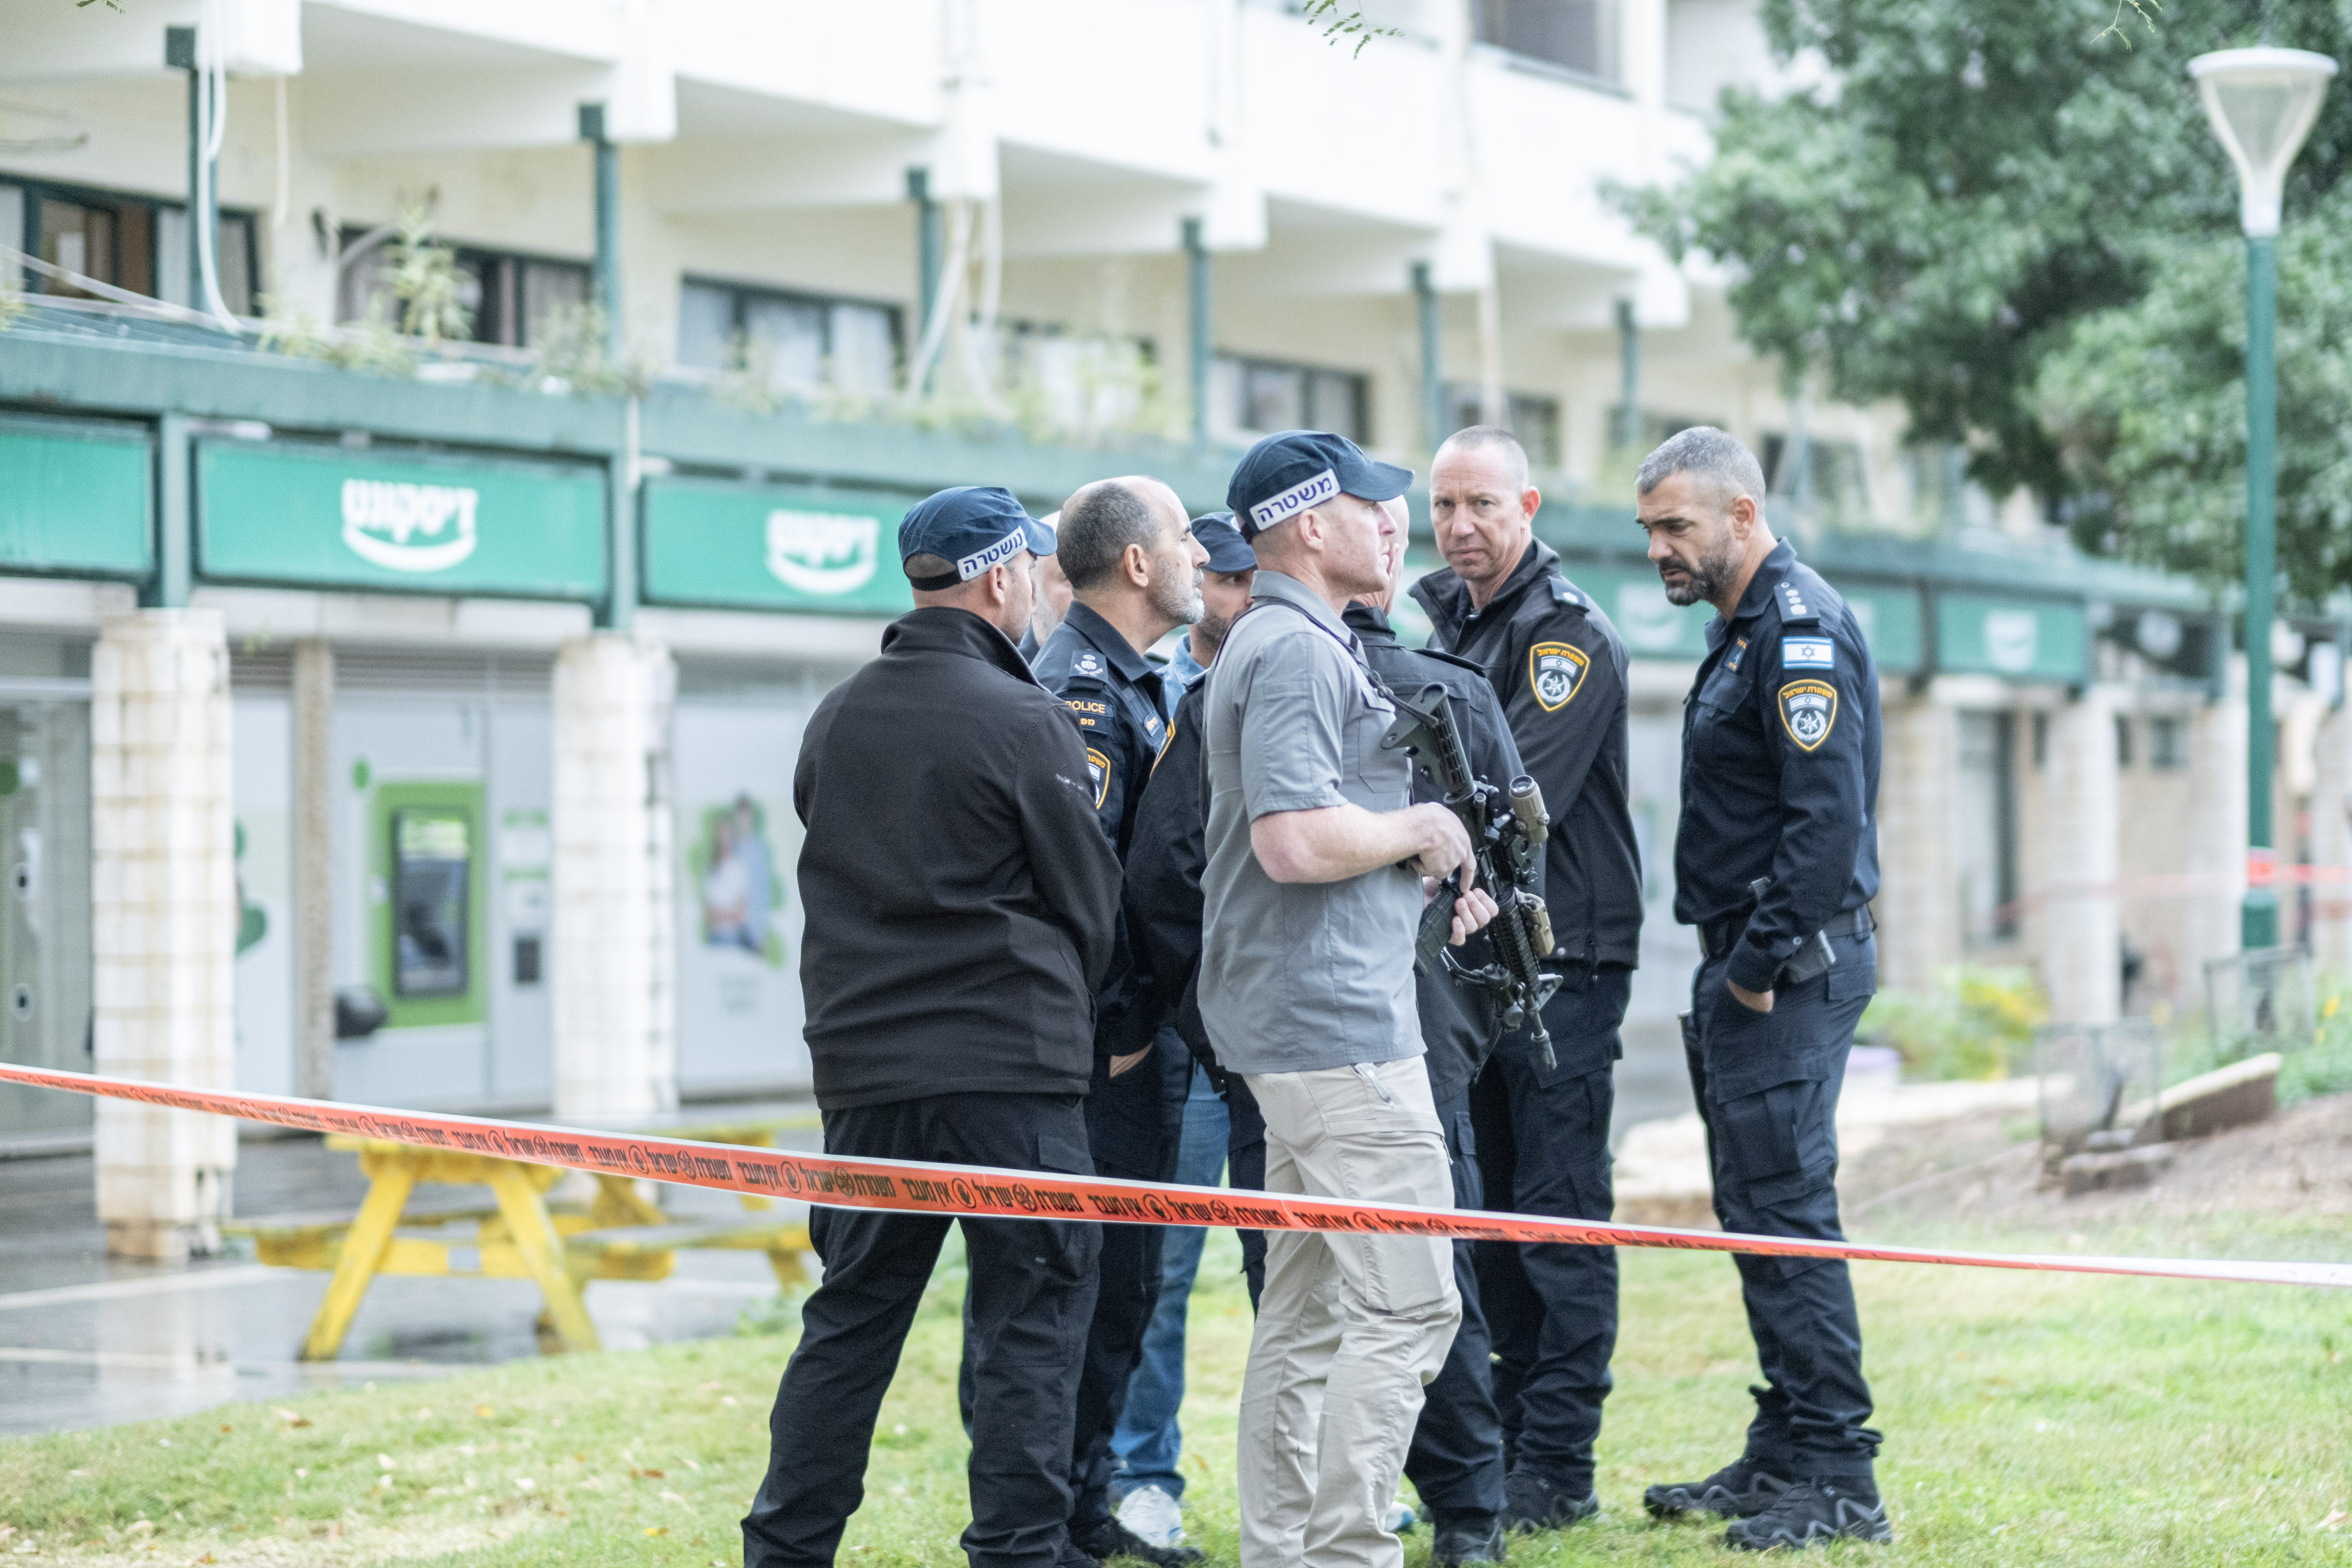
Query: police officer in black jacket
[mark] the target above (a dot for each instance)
(1134, 569)
(1543, 1132)
(961, 907)
(1455, 1461)
(1776, 862)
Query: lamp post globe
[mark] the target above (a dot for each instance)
(2260, 103)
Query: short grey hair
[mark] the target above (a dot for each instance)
(1475, 438)
(1097, 525)
(1719, 459)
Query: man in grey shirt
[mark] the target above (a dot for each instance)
(1312, 893)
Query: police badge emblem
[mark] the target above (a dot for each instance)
(1555, 670)
(1807, 710)
(1098, 774)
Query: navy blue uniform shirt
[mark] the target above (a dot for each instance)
(1779, 769)
(1559, 668)
(1114, 694)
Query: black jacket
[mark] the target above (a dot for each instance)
(1162, 896)
(960, 901)
(1559, 668)
(1459, 1024)
(1779, 769)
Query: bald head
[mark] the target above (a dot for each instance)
(1494, 443)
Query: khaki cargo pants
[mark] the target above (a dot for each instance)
(1350, 1328)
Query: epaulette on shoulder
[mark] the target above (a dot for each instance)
(1797, 602)
(1564, 591)
(1453, 659)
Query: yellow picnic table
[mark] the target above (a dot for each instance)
(561, 1246)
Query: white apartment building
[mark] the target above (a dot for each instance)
(857, 252)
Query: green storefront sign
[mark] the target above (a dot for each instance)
(760, 547)
(75, 498)
(1634, 599)
(2024, 639)
(322, 516)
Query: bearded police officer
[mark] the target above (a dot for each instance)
(962, 907)
(1775, 862)
(1456, 1462)
(1134, 568)
(1543, 1131)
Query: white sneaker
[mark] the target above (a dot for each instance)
(1155, 1516)
(1400, 1516)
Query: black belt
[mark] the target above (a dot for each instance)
(1718, 937)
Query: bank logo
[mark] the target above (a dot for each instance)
(2010, 639)
(824, 554)
(402, 527)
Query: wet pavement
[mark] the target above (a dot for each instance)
(86, 1341)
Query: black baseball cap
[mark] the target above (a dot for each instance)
(1286, 473)
(1223, 540)
(975, 526)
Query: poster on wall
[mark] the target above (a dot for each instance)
(739, 994)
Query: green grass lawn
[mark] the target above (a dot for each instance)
(2029, 1418)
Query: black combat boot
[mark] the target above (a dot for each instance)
(1823, 1509)
(1466, 1545)
(1531, 1502)
(1735, 1491)
(1111, 1539)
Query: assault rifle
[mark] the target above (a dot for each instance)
(1507, 838)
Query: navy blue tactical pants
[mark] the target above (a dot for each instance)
(1246, 1172)
(1032, 1293)
(1457, 1458)
(1766, 1086)
(1135, 1126)
(1550, 1307)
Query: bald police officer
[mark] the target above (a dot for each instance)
(1776, 862)
(1134, 569)
(1543, 1131)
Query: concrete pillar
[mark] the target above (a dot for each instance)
(614, 955)
(2217, 832)
(164, 926)
(313, 789)
(2080, 951)
(1918, 906)
(2331, 840)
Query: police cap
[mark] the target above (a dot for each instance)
(975, 526)
(1291, 471)
(1223, 540)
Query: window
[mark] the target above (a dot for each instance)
(2167, 741)
(1987, 823)
(1579, 36)
(1251, 397)
(511, 300)
(1534, 419)
(1835, 484)
(131, 242)
(796, 343)
(1082, 383)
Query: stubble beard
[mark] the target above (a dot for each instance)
(1709, 575)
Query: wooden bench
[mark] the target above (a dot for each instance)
(559, 1245)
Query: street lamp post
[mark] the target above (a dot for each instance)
(2261, 103)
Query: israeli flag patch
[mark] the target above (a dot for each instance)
(1808, 653)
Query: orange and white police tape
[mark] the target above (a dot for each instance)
(915, 1186)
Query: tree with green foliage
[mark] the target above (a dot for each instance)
(2011, 218)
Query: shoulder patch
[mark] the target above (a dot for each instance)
(1087, 663)
(1098, 776)
(1738, 652)
(1808, 711)
(1555, 673)
(1793, 605)
(1808, 653)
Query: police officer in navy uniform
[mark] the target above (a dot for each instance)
(960, 909)
(1134, 568)
(1559, 668)
(1456, 1462)
(1776, 862)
